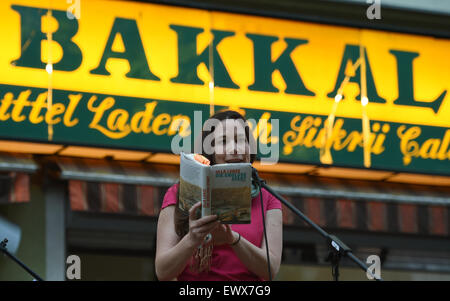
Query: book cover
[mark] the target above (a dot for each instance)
(223, 189)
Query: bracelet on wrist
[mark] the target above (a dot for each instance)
(237, 240)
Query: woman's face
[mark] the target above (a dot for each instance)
(231, 145)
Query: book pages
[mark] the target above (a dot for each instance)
(193, 184)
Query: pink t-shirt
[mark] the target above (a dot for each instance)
(225, 264)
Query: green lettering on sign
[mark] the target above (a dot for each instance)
(264, 66)
(351, 53)
(32, 35)
(134, 51)
(189, 60)
(405, 83)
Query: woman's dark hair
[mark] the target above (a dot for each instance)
(181, 216)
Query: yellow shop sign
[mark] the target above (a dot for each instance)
(195, 56)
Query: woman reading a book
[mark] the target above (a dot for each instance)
(190, 247)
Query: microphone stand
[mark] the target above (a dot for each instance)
(338, 249)
(3, 249)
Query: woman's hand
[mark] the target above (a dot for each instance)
(199, 228)
(224, 235)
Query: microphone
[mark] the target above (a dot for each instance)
(12, 233)
(256, 178)
(254, 174)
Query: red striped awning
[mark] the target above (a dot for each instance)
(14, 177)
(14, 187)
(373, 206)
(372, 216)
(330, 213)
(121, 187)
(115, 198)
(138, 189)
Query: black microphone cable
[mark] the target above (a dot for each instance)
(256, 176)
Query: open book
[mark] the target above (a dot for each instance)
(223, 189)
